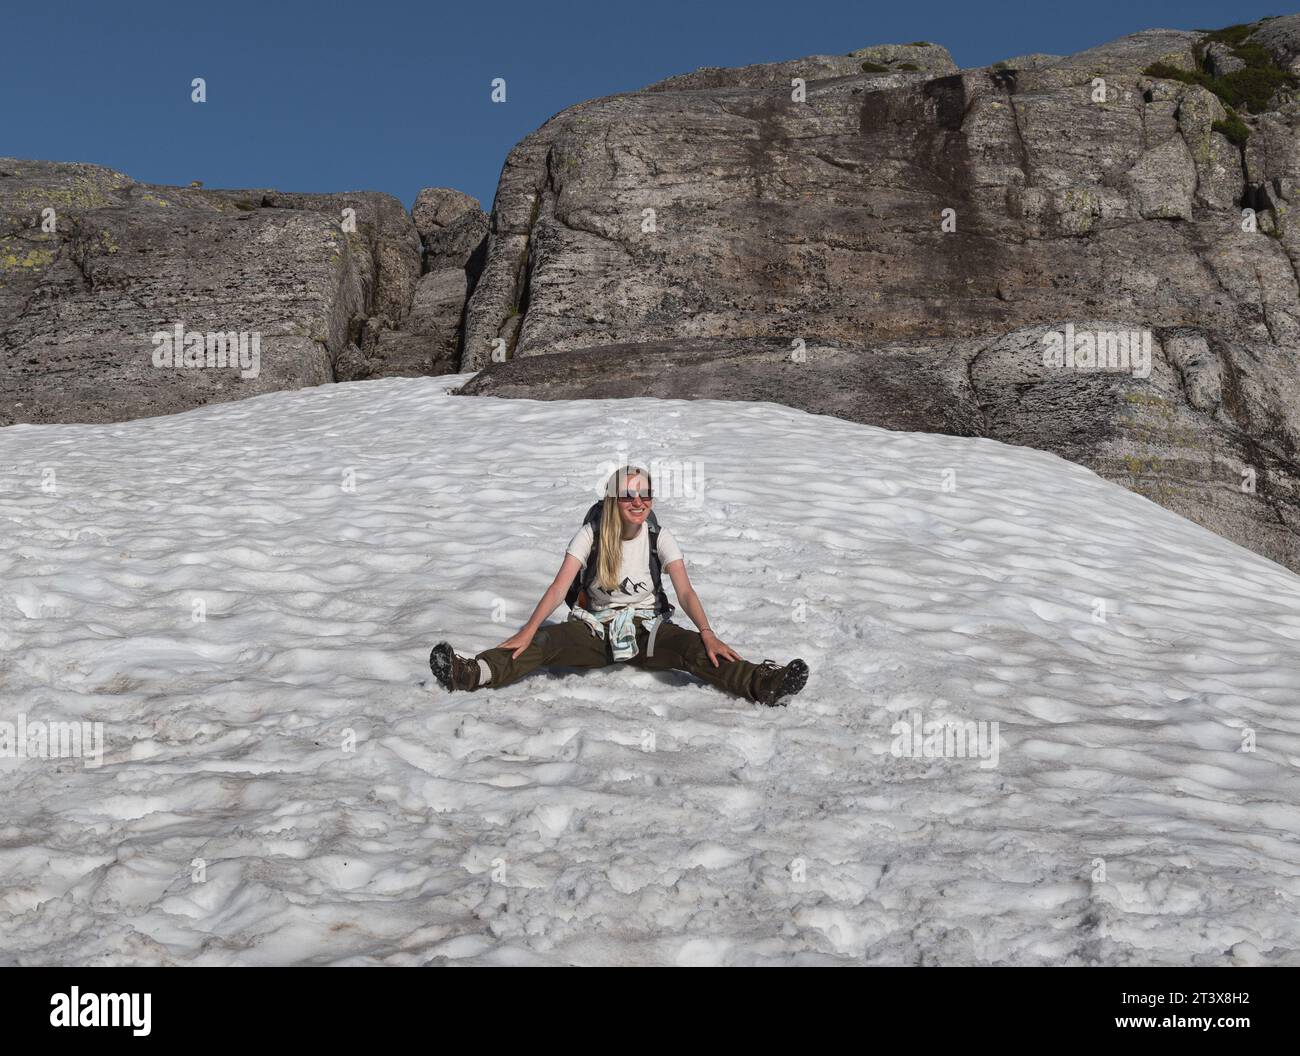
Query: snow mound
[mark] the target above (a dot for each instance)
(328, 537)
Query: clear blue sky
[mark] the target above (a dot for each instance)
(393, 96)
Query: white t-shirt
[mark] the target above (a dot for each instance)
(636, 587)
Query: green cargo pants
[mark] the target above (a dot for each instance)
(572, 644)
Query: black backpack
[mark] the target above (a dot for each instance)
(578, 590)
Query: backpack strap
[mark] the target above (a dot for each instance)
(662, 606)
(583, 579)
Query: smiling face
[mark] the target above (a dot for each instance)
(634, 503)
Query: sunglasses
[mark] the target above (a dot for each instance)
(628, 496)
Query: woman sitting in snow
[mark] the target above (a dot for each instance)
(619, 611)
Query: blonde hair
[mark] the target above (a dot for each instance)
(611, 526)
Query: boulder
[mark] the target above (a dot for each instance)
(437, 207)
(1220, 61)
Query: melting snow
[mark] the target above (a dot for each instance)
(617, 815)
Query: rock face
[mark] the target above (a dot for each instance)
(93, 266)
(453, 235)
(921, 56)
(923, 234)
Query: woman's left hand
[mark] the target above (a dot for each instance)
(716, 647)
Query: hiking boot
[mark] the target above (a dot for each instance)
(453, 672)
(771, 683)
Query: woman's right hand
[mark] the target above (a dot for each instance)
(519, 641)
